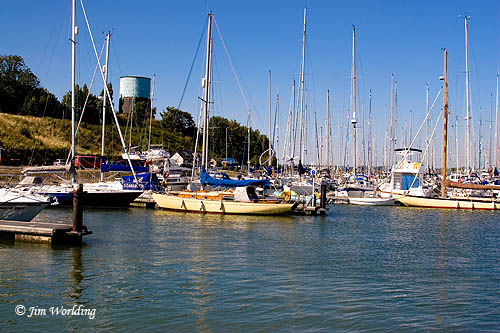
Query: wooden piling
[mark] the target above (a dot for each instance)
(322, 202)
(78, 208)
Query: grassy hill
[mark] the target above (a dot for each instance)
(31, 140)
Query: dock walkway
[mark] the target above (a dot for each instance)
(41, 232)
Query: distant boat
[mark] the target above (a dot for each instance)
(372, 201)
(19, 206)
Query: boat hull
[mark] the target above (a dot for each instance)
(16, 211)
(448, 203)
(371, 201)
(192, 205)
(97, 199)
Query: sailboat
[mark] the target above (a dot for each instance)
(242, 199)
(100, 194)
(453, 201)
(357, 185)
(18, 205)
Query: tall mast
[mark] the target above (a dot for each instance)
(151, 110)
(445, 121)
(427, 125)
(395, 113)
(391, 145)
(277, 127)
(328, 130)
(496, 129)
(491, 129)
(270, 143)
(456, 143)
(302, 120)
(353, 120)
(480, 137)
(294, 128)
(104, 100)
(73, 74)
(467, 117)
(206, 85)
(248, 145)
(370, 152)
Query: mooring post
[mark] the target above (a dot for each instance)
(322, 202)
(78, 208)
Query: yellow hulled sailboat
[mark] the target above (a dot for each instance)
(242, 199)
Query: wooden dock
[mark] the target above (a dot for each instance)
(42, 232)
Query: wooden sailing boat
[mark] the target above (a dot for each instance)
(463, 201)
(241, 200)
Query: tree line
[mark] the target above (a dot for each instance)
(22, 94)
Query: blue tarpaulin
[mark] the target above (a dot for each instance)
(205, 179)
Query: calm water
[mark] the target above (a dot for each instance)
(357, 269)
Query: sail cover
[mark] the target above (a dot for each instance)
(121, 167)
(205, 179)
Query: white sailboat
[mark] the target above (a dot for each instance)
(241, 200)
(100, 194)
(18, 205)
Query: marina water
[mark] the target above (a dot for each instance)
(356, 269)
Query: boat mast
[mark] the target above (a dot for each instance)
(456, 142)
(496, 129)
(277, 128)
(206, 85)
(151, 110)
(328, 130)
(370, 152)
(427, 126)
(353, 120)
(269, 162)
(302, 120)
(391, 145)
(491, 129)
(480, 137)
(73, 74)
(105, 70)
(248, 150)
(445, 121)
(467, 117)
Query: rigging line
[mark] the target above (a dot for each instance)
(90, 89)
(192, 64)
(407, 151)
(231, 63)
(107, 93)
(116, 56)
(86, 100)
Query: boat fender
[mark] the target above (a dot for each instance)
(285, 195)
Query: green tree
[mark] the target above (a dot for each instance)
(92, 112)
(178, 121)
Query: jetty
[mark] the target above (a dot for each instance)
(53, 233)
(38, 232)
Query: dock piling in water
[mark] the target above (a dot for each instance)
(77, 208)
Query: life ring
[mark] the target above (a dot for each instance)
(166, 174)
(285, 195)
(416, 165)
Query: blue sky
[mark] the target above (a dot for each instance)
(160, 37)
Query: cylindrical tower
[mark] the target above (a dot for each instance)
(133, 88)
